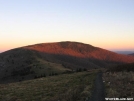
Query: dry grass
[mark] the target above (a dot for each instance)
(119, 84)
(66, 87)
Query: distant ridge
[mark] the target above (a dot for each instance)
(132, 54)
(46, 59)
(124, 52)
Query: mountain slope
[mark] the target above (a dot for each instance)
(123, 67)
(21, 64)
(46, 59)
(80, 50)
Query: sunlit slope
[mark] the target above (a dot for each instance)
(79, 50)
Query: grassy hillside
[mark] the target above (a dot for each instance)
(21, 64)
(66, 87)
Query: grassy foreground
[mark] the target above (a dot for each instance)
(119, 84)
(66, 87)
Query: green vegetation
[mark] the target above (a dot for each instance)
(65, 87)
(119, 84)
(42, 67)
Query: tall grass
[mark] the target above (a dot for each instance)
(119, 84)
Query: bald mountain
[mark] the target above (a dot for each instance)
(54, 58)
(61, 50)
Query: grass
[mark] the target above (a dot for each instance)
(65, 87)
(48, 67)
(119, 84)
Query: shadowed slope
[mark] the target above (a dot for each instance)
(22, 64)
(123, 67)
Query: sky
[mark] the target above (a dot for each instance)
(107, 24)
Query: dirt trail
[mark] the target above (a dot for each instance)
(98, 93)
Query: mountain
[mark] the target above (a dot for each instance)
(132, 54)
(46, 59)
(79, 50)
(124, 52)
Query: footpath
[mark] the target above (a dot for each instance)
(98, 93)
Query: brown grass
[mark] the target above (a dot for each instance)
(119, 84)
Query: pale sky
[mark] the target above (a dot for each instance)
(107, 24)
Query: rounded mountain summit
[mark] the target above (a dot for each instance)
(55, 58)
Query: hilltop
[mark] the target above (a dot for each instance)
(66, 51)
(48, 59)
